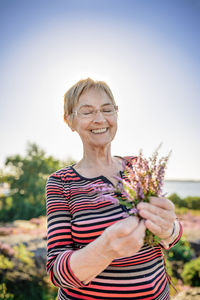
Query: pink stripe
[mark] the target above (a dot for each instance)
(58, 243)
(128, 281)
(93, 227)
(60, 231)
(128, 288)
(57, 225)
(100, 219)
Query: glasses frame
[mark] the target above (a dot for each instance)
(94, 113)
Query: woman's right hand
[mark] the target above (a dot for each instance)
(124, 238)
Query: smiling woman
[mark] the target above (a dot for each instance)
(95, 120)
(95, 249)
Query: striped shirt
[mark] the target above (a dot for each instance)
(75, 218)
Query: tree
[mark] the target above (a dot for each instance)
(27, 178)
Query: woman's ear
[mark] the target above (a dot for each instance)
(68, 120)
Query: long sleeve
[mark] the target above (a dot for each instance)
(172, 241)
(59, 238)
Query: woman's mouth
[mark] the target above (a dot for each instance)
(100, 130)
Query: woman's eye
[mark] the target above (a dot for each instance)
(87, 112)
(108, 109)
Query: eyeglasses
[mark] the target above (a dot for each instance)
(90, 112)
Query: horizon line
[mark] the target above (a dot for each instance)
(183, 179)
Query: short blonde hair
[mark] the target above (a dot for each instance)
(72, 96)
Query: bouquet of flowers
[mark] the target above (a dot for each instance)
(143, 178)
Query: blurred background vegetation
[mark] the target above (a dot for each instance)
(26, 177)
(21, 278)
(21, 275)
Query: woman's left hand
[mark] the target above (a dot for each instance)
(159, 215)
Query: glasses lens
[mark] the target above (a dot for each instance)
(86, 112)
(108, 109)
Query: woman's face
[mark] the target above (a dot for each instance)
(97, 130)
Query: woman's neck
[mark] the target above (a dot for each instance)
(98, 163)
(96, 158)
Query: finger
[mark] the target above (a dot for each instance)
(154, 228)
(161, 232)
(162, 202)
(162, 223)
(138, 235)
(155, 205)
(126, 226)
(148, 215)
(147, 207)
(147, 210)
(131, 221)
(139, 232)
(141, 228)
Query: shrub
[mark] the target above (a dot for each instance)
(4, 295)
(192, 202)
(22, 278)
(26, 177)
(188, 202)
(176, 200)
(5, 263)
(181, 251)
(191, 272)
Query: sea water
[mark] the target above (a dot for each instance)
(182, 188)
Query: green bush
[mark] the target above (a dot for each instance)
(188, 202)
(26, 177)
(5, 263)
(21, 277)
(4, 295)
(181, 251)
(176, 200)
(191, 272)
(192, 202)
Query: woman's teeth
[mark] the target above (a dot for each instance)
(99, 130)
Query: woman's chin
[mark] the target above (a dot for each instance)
(100, 143)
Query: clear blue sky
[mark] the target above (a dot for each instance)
(147, 51)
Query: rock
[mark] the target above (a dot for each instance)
(38, 248)
(39, 221)
(189, 294)
(40, 255)
(6, 249)
(33, 234)
(25, 225)
(6, 231)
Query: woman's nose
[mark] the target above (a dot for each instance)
(99, 116)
